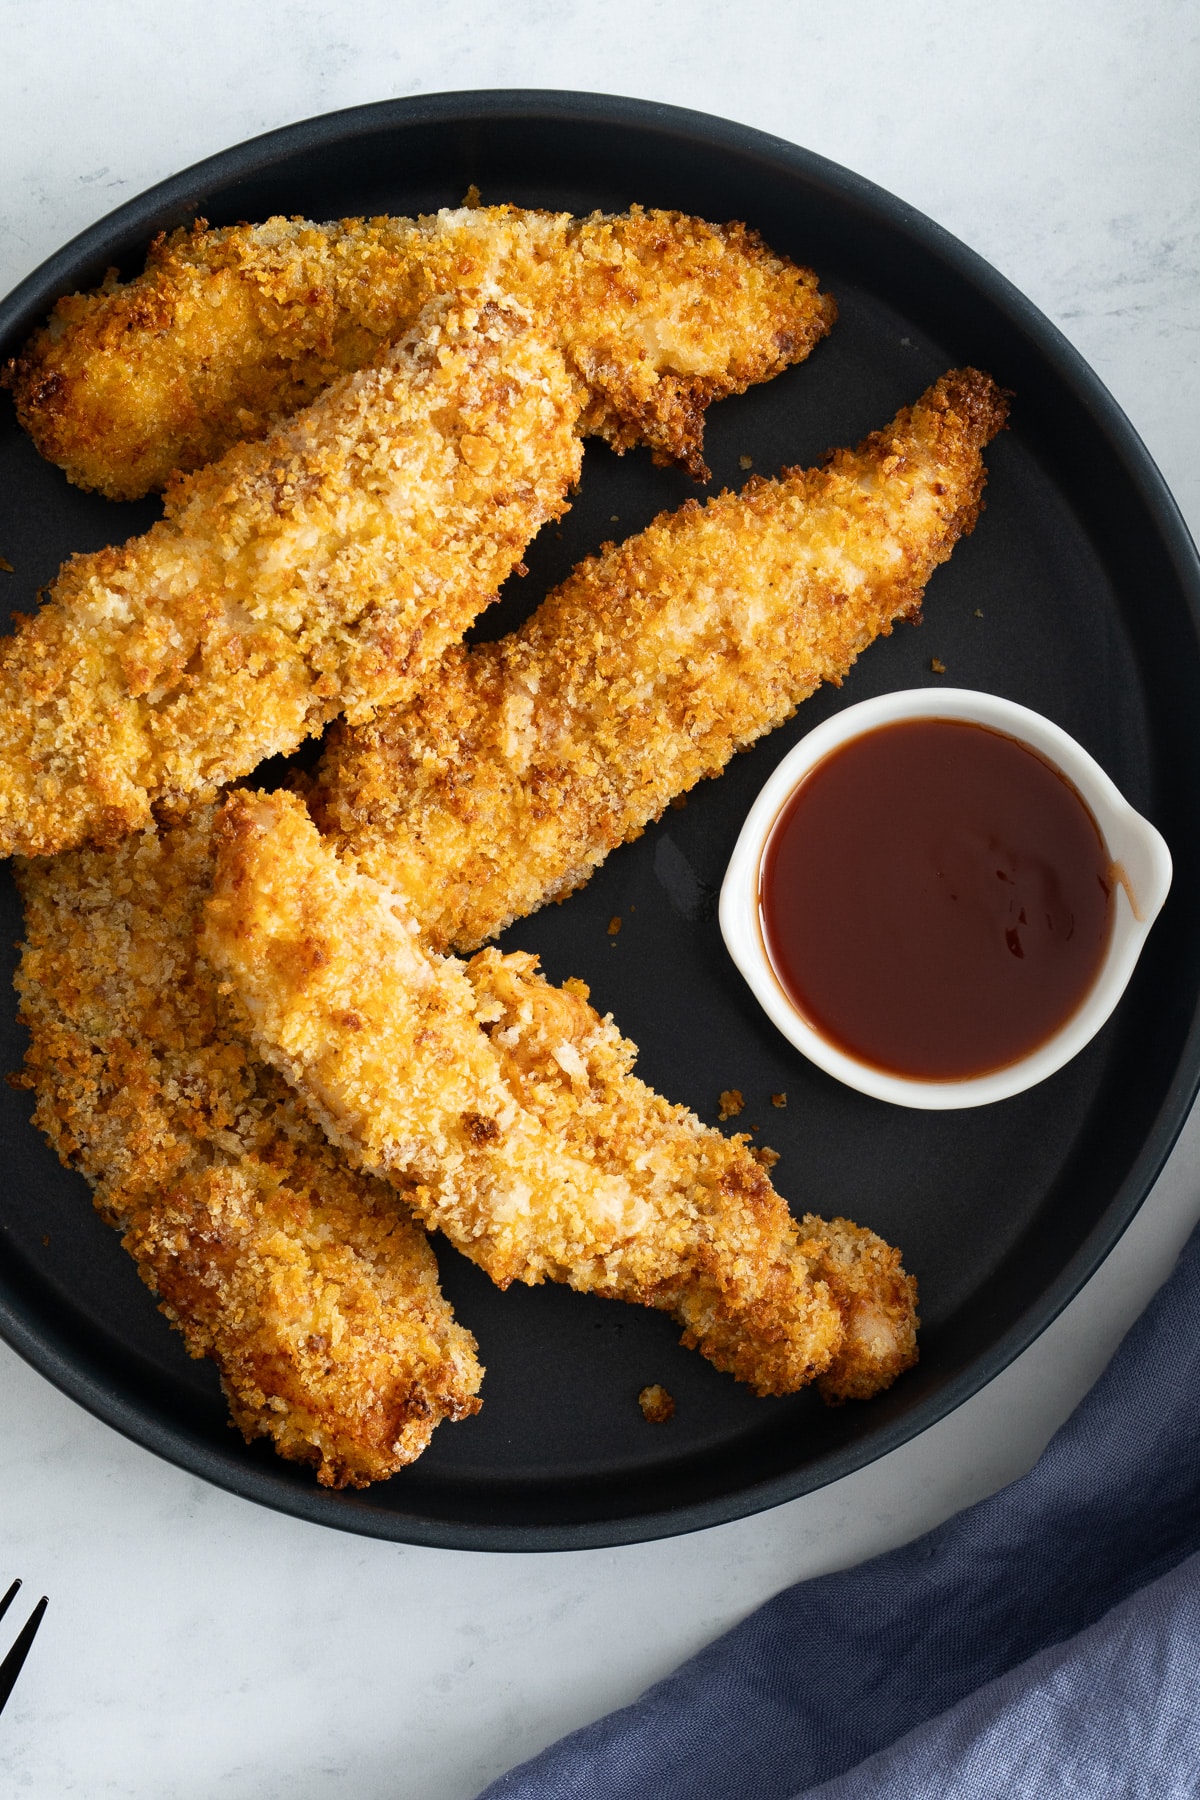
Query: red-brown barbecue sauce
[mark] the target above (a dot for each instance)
(936, 899)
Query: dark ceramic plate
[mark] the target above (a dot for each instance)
(1077, 595)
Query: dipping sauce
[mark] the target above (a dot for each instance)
(936, 899)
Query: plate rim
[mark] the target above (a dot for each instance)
(136, 218)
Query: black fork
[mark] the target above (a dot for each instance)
(11, 1667)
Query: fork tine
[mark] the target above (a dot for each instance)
(9, 1598)
(11, 1667)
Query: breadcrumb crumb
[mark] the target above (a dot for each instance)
(656, 1404)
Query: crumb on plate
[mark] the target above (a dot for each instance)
(656, 1404)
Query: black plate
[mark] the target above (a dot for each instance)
(1078, 595)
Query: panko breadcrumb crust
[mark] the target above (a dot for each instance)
(304, 1281)
(516, 771)
(138, 1073)
(726, 1259)
(322, 571)
(228, 330)
(506, 1106)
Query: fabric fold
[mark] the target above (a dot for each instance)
(834, 1670)
(1112, 1712)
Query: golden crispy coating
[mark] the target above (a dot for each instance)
(323, 570)
(878, 1304)
(716, 1216)
(228, 330)
(516, 771)
(304, 1281)
(267, 1249)
(510, 1105)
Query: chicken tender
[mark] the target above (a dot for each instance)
(528, 1141)
(516, 770)
(322, 571)
(306, 1282)
(574, 1070)
(228, 330)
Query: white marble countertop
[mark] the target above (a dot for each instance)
(197, 1645)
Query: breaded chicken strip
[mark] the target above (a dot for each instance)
(517, 770)
(304, 1281)
(228, 330)
(322, 571)
(573, 1070)
(509, 1104)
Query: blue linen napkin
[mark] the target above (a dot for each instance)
(1045, 1641)
(1111, 1712)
